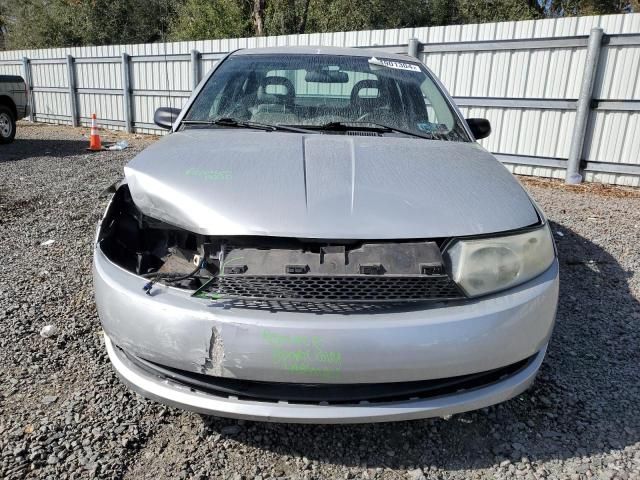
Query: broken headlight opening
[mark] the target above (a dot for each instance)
(273, 268)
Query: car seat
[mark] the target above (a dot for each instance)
(272, 107)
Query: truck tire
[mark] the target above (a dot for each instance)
(7, 125)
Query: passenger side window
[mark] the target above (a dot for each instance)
(440, 117)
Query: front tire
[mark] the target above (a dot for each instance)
(7, 125)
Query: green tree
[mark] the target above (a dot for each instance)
(443, 12)
(483, 11)
(569, 8)
(340, 15)
(208, 19)
(286, 16)
(55, 23)
(59, 23)
(124, 21)
(43, 23)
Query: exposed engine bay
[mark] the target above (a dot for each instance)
(272, 268)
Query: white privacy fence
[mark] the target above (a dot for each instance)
(530, 79)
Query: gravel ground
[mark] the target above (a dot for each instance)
(64, 414)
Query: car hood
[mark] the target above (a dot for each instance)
(244, 182)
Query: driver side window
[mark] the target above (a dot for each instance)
(228, 96)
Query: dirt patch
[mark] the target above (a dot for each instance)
(600, 189)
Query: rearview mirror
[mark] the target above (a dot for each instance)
(165, 117)
(480, 127)
(326, 76)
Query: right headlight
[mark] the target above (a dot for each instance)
(487, 265)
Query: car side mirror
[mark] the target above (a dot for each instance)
(165, 117)
(480, 127)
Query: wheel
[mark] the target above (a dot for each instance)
(7, 125)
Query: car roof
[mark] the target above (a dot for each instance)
(356, 52)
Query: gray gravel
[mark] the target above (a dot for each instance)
(63, 413)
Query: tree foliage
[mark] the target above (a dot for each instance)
(286, 16)
(341, 15)
(38, 23)
(49, 23)
(563, 8)
(202, 19)
(3, 23)
(53, 23)
(482, 11)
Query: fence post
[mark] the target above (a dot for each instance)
(195, 69)
(573, 175)
(26, 65)
(73, 100)
(126, 92)
(414, 48)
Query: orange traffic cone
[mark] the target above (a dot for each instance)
(94, 142)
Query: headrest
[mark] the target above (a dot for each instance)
(361, 85)
(274, 94)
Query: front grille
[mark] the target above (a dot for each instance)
(338, 288)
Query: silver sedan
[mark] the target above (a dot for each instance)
(321, 239)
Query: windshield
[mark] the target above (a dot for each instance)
(321, 91)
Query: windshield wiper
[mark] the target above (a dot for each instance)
(233, 122)
(370, 126)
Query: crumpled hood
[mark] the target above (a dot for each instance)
(244, 182)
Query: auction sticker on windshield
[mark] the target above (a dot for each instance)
(394, 64)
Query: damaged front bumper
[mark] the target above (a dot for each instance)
(172, 393)
(217, 339)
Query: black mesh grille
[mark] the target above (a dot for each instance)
(343, 288)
